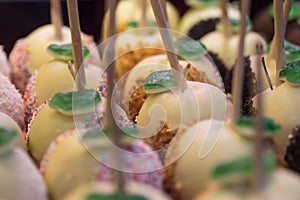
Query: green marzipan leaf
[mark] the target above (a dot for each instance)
(64, 52)
(189, 48)
(85, 100)
(270, 127)
(244, 166)
(6, 136)
(294, 12)
(119, 196)
(291, 73)
(159, 81)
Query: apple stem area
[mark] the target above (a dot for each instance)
(159, 10)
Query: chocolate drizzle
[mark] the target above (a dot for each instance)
(203, 27)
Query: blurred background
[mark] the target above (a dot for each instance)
(20, 17)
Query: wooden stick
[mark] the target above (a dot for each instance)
(109, 123)
(143, 23)
(286, 11)
(225, 20)
(258, 176)
(56, 18)
(168, 43)
(76, 43)
(163, 4)
(279, 38)
(239, 70)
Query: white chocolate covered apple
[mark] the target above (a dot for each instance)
(200, 149)
(276, 188)
(54, 77)
(80, 156)
(227, 49)
(281, 104)
(63, 112)
(41, 38)
(194, 16)
(160, 62)
(283, 184)
(133, 12)
(30, 53)
(19, 177)
(198, 102)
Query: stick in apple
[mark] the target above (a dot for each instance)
(225, 20)
(279, 38)
(166, 35)
(239, 70)
(109, 58)
(76, 43)
(258, 176)
(163, 4)
(56, 18)
(280, 20)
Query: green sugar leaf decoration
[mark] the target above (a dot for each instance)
(291, 73)
(84, 101)
(6, 136)
(64, 52)
(159, 81)
(188, 48)
(294, 12)
(118, 196)
(243, 168)
(246, 125)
